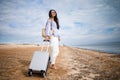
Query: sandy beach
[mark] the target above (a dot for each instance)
(72, 64)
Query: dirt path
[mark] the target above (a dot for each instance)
(72, 64)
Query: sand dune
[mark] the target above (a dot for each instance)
(72, 64)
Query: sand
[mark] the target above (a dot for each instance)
(72, 64)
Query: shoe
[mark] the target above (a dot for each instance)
(53, 66)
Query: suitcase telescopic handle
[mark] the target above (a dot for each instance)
(45, 43)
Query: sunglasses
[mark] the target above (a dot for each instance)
(53, 12)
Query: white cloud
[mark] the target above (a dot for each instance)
(81, 21)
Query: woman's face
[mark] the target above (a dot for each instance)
(53, 13)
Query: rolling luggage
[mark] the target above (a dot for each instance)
(40, 61)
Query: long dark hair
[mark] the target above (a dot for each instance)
(55, 18)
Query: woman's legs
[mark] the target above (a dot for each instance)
(54, 50)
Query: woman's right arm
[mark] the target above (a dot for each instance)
(47, 30)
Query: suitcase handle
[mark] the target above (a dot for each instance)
(44, 44)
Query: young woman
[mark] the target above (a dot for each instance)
(52, 31)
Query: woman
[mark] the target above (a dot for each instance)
(52, 32)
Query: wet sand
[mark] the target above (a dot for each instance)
(72, 64)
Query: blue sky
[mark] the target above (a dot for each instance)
(81, 21)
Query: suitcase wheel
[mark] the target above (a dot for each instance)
(30, 72)
(42, 73)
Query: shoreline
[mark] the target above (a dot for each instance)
(102, 51)
(118, 54)
(107, 52)
(72, 64)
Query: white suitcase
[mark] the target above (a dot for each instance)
(39, 62)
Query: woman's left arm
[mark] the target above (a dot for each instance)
(59, 38)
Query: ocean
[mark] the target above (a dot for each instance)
(106, 47)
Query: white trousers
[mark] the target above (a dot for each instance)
(54, 43)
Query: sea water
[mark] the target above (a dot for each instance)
(107, 47)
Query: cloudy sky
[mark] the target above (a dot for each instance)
(81, 21)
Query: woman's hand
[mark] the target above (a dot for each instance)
(47, 38)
